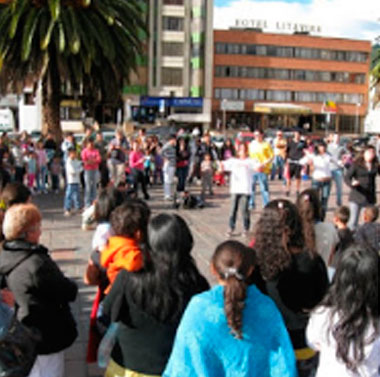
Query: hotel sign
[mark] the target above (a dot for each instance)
(280, 26)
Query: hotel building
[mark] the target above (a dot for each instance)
(285, 80)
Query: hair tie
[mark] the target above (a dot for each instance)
(232, 271)
(280, 205)
(306, 198)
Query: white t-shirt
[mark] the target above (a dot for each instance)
(326, 239)
(241, 174)
(329, 366)
(321, 165)
(73, 170)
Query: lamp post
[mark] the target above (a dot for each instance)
(357, 125)
(224, 105)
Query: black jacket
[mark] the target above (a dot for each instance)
(42, 293)
(296, 290)
(143, 343)
(365, 193)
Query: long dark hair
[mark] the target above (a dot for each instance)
(170, 277)
(359, 160)
(310, 210)
(233, 263)
(277, 232)
(354, 299)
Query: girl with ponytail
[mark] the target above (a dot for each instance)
(232, 329)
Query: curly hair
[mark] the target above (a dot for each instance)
(354, 299)
(233, 263)
(277, 232)
(310, 210)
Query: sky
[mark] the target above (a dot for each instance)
(357, 19)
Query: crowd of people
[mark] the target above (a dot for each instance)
(300, 298)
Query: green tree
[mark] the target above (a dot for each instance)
(82, 42)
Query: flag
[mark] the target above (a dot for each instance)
(329, 107)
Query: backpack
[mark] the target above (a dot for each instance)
(18, 343)
(18, 350)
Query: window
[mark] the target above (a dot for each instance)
(261, 50)
(284, 52)
(310, 76)
(278, 95)
(281, 74)
(220, 48)
(172, 23)
(299, 74)
(305, 96)
(303, 53)
(172, 49)
(173, 2)
(171, 76)
(352, 98)
(251, 49)
(217, 93)
(325, 76)
(252, 94)
(232, 48)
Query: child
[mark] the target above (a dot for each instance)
(207, 172)
(107, 201)
(73, 169)
(369, 233)
(55, 171)
(232, 329)
(31, 169)
(42, 167)
(346, 236)
(123, 251)
(241, 169)
(345, 327)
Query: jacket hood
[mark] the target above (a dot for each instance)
(13, 252)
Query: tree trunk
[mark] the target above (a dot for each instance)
(51, 100)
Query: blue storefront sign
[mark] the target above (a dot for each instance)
(147, 101)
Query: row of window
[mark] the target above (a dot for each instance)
(290, 52)
(177, 49)
(288, 74)
(285, 95)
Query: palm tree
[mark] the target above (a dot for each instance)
(82, 42)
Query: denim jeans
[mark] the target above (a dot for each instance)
(262, 178)
(41, 178)
(337, 176)
(72, 196)
(235, 198)
(90, 179)
(323, 188)
(182, 173)
(355, 210)
(277, 167)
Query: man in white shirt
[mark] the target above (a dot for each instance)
(241, 169)
(336, 152)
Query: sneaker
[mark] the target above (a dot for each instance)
(67, 213)
(230, 233)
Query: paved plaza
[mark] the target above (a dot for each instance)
(71, 247)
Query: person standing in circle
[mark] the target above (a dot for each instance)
(361, 178)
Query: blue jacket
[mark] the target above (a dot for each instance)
(205, 347)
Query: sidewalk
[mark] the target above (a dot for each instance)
(71, 247)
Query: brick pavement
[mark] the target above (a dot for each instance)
(70, 247)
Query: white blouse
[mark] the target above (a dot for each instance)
(319, 339)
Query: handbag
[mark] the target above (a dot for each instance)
(18, 350)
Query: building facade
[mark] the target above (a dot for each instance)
(289, 80)
(175, 78)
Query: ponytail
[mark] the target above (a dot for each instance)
(233, 262)
(235, 292)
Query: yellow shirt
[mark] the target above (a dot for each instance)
(263, 153)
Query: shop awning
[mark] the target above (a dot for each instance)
(280, 108)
